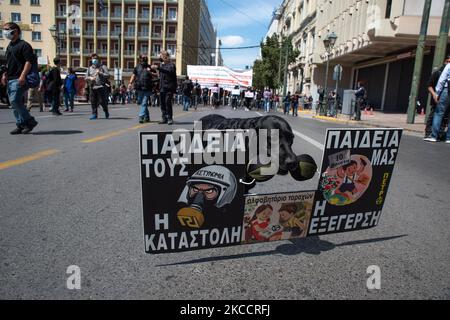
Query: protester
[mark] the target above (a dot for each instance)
(19, 62)
(97, 76)
(205, 93)
(36, 94)
(70, 90)
(443, 105)
(54, 84)
(432, 83)
(249, 96)
(287, 103)
(168, 86)
(294, 103)
(215, 96)
(235, 97)
(196, 94)
(267, 98)
(360, 94)
(188, 87)
(142, 82)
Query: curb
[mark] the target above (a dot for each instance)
(362, 123)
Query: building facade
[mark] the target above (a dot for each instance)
(117, 30)
(34, 17)
(376, 45)
(207, 37)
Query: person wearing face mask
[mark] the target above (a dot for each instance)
(97, 76)
(168, 86)
(19, 60)
(142, 81)
(54, 86)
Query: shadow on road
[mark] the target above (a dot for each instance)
(57, 133)
(313, 245)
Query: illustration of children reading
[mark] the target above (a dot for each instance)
(290, 222)
(259, 223)
(351, 174)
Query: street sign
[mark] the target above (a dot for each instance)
(42, 61)
(337, 75)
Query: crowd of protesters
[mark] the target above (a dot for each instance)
(158, 86)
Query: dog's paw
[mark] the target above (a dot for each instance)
(306, 168)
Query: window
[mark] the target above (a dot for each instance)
(76, 62)
(36, 36)
(156, 49)
(38, 52)
(388, 9)
(15, 2)
(158, 12)
(172, 49)
(35, 18)
(172, 14)
(15, 17)
(35, 2)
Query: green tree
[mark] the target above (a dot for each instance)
(269, 70)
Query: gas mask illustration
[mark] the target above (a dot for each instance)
(212, 186)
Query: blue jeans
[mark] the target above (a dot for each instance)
(69, 98)
(267, 105)
(16, 94)
(444, 104)
(295, 109)
(186, 103)
(286, 107)
(143, 97)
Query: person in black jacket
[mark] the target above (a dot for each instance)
(54, 84)
(168, 86)
(142, 81)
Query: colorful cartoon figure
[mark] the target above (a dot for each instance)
(351, 174)
(259, 223)
(289, 221)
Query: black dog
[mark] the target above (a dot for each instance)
(289, 161)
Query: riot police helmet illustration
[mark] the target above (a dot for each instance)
(215, 184)
(211, 186)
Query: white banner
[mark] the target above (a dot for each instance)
(208, 76)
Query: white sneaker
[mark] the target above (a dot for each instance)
(448, 141)
(430, 139)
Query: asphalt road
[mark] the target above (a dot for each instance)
(76, 201)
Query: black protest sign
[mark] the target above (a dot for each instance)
(356, 172)
(191, 200)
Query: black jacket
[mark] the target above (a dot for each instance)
(168, 77)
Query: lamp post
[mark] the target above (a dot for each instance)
(59, 36)
(328, 42)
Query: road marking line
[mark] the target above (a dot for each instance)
(105, 136)
(259, 114)
(119, 132)
(26, 159)
(310, 140)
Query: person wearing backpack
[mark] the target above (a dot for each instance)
(20, 59)
(70, 90)
(143, 83)
(188, 86)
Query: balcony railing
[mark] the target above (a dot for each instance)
(171, 36)
(130, 34)
(144, 34)
(116, 15)
(129, 52)
(88, 14)
(157, 17)
(61, 14)
(75, 51)
(88, 33)
(144, 16)
(156, 35)
(102, 33)
(130, 15)
(115, 33)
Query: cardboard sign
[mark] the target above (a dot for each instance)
(351, 195)
(193, 196)
(188, 204)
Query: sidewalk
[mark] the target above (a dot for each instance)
(374, 119)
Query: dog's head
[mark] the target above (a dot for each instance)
(287, 158)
